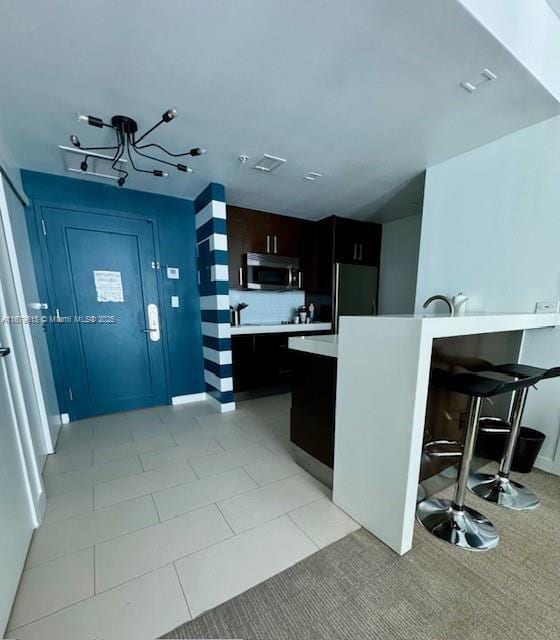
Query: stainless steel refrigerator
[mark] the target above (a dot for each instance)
(355, 291)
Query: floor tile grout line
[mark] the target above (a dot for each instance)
(225, 519)
(234, 534)
(186, 555)
(276, 517)
(94, 577)
(304, 532)
(69, 606)
(182, 590)
(155, 507)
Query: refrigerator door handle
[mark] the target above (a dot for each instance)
(336, 295)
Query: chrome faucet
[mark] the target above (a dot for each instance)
(443, 299)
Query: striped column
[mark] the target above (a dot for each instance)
(211, 239)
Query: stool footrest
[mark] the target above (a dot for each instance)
(437, 448)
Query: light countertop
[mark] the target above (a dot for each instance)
(326, 345)
(440, 326)
(251, 329)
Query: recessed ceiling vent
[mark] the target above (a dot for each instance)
(96, 164)
(269, 163)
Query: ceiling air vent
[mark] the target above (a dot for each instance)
(269, 163)
(97, 164)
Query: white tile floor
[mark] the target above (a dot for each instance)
(155, 516)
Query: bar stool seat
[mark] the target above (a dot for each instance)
(499, 488)
(450, 520)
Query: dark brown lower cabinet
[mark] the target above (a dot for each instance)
(313, 405)
(263, 361)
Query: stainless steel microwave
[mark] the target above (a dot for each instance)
(270, 272)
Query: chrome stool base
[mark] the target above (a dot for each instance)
(503, 492)
(465, 528)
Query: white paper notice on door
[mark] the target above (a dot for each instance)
(108, 285)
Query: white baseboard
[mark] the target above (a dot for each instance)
(548, 465)
(65, 418)
(223, 408)
(193, 397)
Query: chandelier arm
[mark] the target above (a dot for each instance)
(132, 162)
(118, 156)
(145, 155)
(150, 130)
(153, 144)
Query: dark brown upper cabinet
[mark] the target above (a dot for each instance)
(356, 242)
(252, 231)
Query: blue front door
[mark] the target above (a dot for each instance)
(102, 270)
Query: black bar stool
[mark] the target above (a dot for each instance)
(450, 520)
(500, 489)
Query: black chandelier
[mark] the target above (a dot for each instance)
(127, 143)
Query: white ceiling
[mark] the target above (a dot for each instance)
(366, 92)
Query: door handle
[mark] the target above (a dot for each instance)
(354, 257)
(267, 243)
(361, 251)
(240, 276)
(300, 280)
(153, 323)
(4, 351)
(275, 244)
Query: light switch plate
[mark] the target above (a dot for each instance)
(550, 306)
(173, 273)
(175, 302)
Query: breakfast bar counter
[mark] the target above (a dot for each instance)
(381, 396)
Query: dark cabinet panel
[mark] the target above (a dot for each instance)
(286, 234)
(313, 405)
(262, 360)
(245, 371)
(357, 242)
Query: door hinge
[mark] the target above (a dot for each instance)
(70, 394)
(44, 227)
(155, 264)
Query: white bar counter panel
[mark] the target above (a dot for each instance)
(382, 387)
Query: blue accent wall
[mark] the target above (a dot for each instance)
(174, 220)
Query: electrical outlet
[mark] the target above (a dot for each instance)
(550, 306)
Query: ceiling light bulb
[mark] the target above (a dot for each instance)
(160, 174)
(197, 151)
(75, 140)
(169, 115)
(81, 118)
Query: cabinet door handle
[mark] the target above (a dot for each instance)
(240, 276)
(300, 280)
(361, 251)
(355, 255)
(267, 243)
(275, 244)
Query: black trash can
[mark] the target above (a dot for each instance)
(528, 448)
(491, 445)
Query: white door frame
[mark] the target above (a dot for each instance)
(9, 273)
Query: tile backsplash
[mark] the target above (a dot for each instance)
(267, 306)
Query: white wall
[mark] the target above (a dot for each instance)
(491, 228)
(531, 32)
(399, 265)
